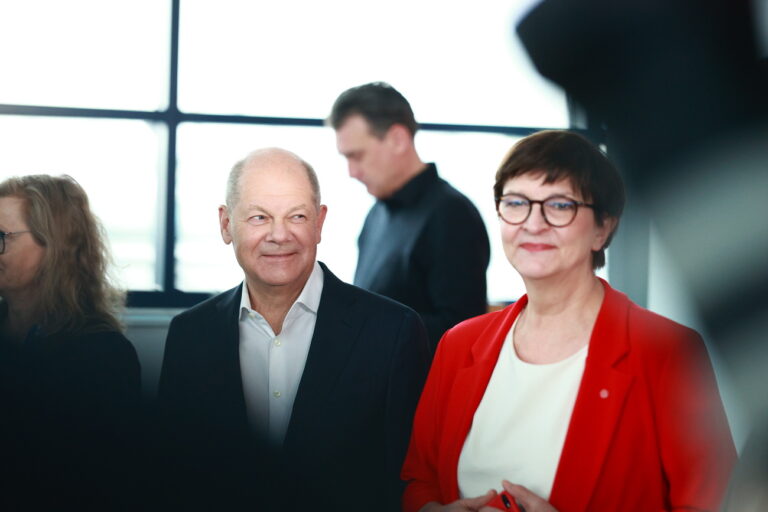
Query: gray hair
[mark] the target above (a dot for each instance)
(233, 191)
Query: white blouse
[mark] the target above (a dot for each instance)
(519, 428)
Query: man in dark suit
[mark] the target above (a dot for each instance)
(293, 390)
(423, 242)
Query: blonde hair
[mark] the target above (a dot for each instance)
(74, 290)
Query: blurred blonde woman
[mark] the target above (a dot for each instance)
(69, 379)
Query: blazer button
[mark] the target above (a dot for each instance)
(276, 394)
(603, 393)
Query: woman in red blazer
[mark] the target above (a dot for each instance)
(573, 398)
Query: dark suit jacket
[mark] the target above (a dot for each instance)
(351, 420)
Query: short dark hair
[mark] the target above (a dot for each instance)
(563, 155)
(380, 104)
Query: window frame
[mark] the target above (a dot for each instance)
(168, 296)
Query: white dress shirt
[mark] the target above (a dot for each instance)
(519, 428)
(271, 365)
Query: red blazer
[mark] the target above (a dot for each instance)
(648, 430)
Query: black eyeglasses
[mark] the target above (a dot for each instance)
(558, 211)
(4, 234)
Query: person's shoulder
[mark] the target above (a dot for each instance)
(101, 344)
(104, 337)
(451, 206)
(208, 307)
(375, 303)
(481, 322)
(471, 329)
(647, 321)
(654, 333)
(447, 194)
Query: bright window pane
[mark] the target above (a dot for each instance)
(85, 53)
(117, 163)
(204, 263)
(207, 152)
(456, 62)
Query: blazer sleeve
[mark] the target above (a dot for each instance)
(407, 372)
(697, 450)
(420, 470)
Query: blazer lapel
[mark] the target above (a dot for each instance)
(225, 379)
(336, 331)
(598, 406)
(469, 385)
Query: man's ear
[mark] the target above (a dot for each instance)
(320, 220)
(399, 138)
(225, 224)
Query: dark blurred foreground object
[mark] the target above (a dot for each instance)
(682, 92)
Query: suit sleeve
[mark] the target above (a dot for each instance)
(407, 372)
(420, 468)
(697, 450)
(456, 253)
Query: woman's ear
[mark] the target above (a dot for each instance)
(603, 232)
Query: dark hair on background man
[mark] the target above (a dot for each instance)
(379, 103)
(562, 155)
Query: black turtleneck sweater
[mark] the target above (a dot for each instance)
(426, 247)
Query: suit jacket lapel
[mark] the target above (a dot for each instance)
(598, 406)
(336, 332)
(469, 385)
(226, 379)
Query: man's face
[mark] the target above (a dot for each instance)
(275, 225)
(369, 158)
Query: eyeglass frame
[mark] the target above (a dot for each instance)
(541, 202)
(4, 234)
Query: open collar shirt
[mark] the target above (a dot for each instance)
(272, 364)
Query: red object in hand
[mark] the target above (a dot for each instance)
(504, 501)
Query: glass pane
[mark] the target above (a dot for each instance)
(85, 53)
(117, 163)
(207, 152)
(278, 59)
(204, 263)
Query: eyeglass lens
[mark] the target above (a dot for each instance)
(558, 211)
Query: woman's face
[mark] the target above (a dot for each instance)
(538, 250)
(23, 255)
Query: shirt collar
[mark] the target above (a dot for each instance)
(309, 298)
(414, 189)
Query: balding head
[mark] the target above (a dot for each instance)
(274, 222)
(270, 157)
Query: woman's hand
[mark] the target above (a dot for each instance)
(462, 505)
(529, 501)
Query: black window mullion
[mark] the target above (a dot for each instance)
(167, 269)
